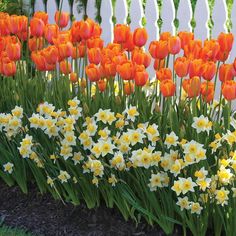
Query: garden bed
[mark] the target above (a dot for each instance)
(42, 215)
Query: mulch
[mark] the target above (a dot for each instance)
(42, 215)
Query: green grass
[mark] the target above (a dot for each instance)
(7, 231)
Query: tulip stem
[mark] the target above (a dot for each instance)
(180, 90)
(218, 117)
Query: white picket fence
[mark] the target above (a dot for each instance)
(152, 14)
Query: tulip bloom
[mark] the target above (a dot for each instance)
(79, 51)
(65, 67)
(41, 15)
(164, 74)
(208, 70)
(95, 43)
(226, 72)
(229, 90)
(165, 36)
(181, 66)
(61, 19)
(65, 50)
(140, 75)
(158, 49)
(192, 86)
(51, 54)
(102, 84)
(39, 60)
(141, 58)
(210, 50)
(158, 64)
(174, 45)
(234, 64)
(207, 91)
(195, 68)
(126, 70)
(36, 27)
(51, 31)
(128, 87)
(193, 49)
(87, 28)
(93, 72)
(4, 29)
(185, 38)
(140, 37)
(13, 51)
(128, 45)
(109, 69)
(35, 44)
(226, 41)
(94, 55)
(75, 32)
(17, 24)
(9, 68)
(121, 33)
(167, 88)
(73, 77)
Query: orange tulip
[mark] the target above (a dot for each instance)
(185, 38)
(226, 72)
(51, 31)
(174, 45)
(97, 30)
(13, 51)
(167, 88)
(61, 18)
(181, 66)
(119, 59)
(35, 44)
(195, 68)
(207, 91)
(140, 37)
(141, 58)
(158, 49)
(95, 43)
(39, 60)
(164, 74)
(140, 75)
(65, 50)
(73, 77)
(9, 68)
(102, 84)
(129, 44)
(23, 36)
(4, 19)
(229, 90)
(51, 54)
(75, 31)
(126, 70)
(192, 86)
(94, 55)
(41, 15)
(208, 70)
(128, 88)
(109, 69)
(62, 37)
(17, 24)
(226, 41)
(210, 50)
(2, 44)
(121, 33)
(93, 72)
(79, 51)
(234, 64)
(87, 28)
(158, 64)
(193, 49)
(165, 36)
(36, 27)
(65, 67)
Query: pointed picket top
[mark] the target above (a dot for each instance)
(233, 30)
(167, 15)
(184, 15)
(136, 14)
(78, 16)
(219, 16)
(39, 5)
(121, 12)
(91, 9)
(52, 8)
(201, 15)
(107, 24)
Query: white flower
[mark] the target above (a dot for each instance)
(183, 203)
(132, 113)
(171, 140)
(64, 176)
(17, 112)
(201, 124)
(195, 208)
(8, 167)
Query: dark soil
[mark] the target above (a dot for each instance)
(42, 215)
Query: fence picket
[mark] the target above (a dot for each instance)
(219, 16)
(39, 6)
(136, 14)
(167, 16)
(202, 15)
(91, 9)
(52, 8)
(78, 16)
(121, 12)
(233, 18)
(184, 15)
(107, 24)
